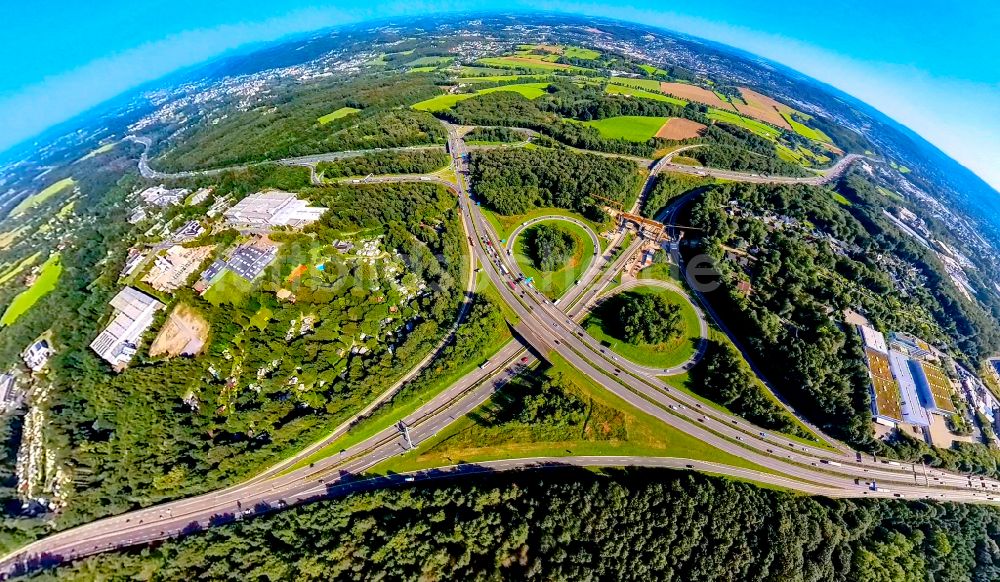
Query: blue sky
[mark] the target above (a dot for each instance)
(932, 66)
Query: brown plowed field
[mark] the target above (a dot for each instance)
(680, 128)
(763, 108)
(694, 93)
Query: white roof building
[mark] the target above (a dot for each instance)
(873, 339)
(913, 411)
(134, 312)
(270, 209)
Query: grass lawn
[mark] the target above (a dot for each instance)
(442, 102)
(628, 127)
(806, 131)
(683, 382)
(15, 269)
(46, 282)
(613, 427)
(101, 150)
(613, 89)
(645, 84)
(448, 100)
(497, 78)
(430, 61)
(761, 129)
(505, 224)
(652, 70)
(665, 355)
(555, 283)
(229, 288)
(576, 52)
(839, 199)
(36, 199)
(342, 112)
(685, 161)
(528, 90)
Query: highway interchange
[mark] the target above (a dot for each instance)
(543, 328)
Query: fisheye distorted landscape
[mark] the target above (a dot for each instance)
(496, 296)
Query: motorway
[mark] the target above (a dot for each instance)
(544, 328)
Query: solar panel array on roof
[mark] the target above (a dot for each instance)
(250, 261)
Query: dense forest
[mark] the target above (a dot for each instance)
(210, 421)
(513, 181)
(643, 318)
(569, 524)
(550, 246)
(287, 125)
(735, 148)
(421, 161)
(807, 258)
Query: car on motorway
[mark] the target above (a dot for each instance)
(524, 360)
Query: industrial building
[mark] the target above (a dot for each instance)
(272, 209)
(190, 229)
(911, 408)
(905, 386)
(247, 261)
(172, 269)
(914, 346)
(934, 388)
(162, 196)
(134, 311)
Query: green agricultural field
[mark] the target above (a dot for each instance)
(528, 90)
(666, 355)
(36, 199)
(46, 282)
(644, 84)
(101, 150)
(342, 112)
(806, 131)
(430, 61)
(576, 52)
(555, 283)
(15, 269)
(428, 69)
(442, 102)
(652, 70)
(529, 63)
(761, 129)
(229, 288)
(840, 199)
(497, 78)
(629, 127)
(448, 100)
(615, 89)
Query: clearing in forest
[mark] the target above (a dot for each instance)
(342, 112)
(184, 333)
(680, 128)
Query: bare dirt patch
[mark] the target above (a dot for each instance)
(763, 108)
(695, 93)
(680, 128)
(184, 334)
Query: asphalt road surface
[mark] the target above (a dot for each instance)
(544, 328)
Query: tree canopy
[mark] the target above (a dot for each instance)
(550, 246)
